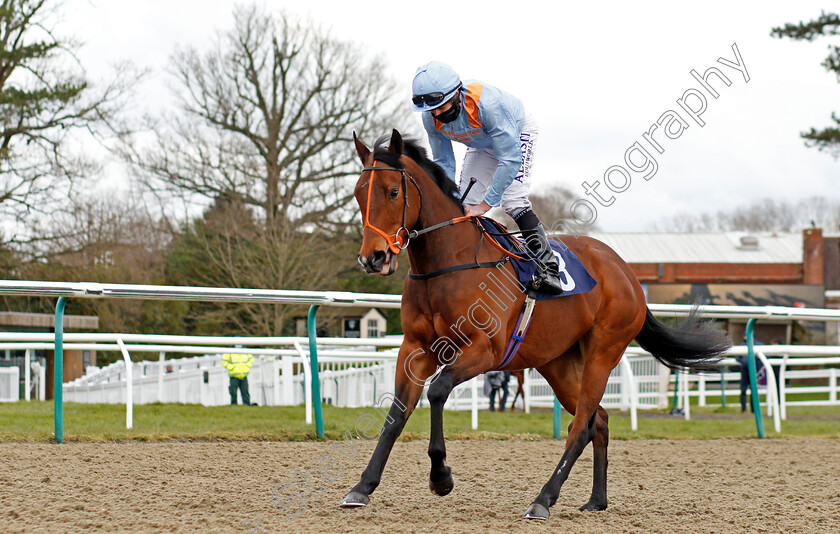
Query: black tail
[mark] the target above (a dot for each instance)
(697, 345)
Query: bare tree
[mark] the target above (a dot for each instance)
(100, 239)
(551, 205)
(44, 99)
(267, 117)
(763, 215)
(263, 132)
(101, 228)
(227, 247)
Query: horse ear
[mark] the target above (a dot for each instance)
(361, 149)
(396, 145)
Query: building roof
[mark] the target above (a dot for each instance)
(722, 247)
(374, 311)
(47, 321)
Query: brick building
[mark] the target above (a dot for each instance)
(736, 268)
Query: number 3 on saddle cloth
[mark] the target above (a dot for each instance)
(576, 279)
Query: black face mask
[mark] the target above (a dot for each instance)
(452, 113)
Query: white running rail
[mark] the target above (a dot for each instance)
(354, 373)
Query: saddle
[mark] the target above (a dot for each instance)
(577, 279)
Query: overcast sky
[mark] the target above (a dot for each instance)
(595, 75)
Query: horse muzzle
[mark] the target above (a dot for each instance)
(382, 262)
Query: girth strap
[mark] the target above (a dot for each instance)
(520, 329)
(463, 266)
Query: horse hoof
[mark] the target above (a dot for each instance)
(443, 487)
(355, 499)
(536, 512)
(592, 506)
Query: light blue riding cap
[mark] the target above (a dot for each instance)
(434, 77)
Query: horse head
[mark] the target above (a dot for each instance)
(390, 203)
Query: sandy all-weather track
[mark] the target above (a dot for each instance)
(655, 486)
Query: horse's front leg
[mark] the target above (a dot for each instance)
(440, 477)
(411, 374)
(464, 368)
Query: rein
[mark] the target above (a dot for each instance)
(395, 243)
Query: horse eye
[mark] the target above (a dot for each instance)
(394, 193)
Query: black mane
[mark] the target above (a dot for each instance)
(413, 150)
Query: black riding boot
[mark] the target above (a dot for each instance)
(547, 278)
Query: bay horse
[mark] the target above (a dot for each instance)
(456, 324)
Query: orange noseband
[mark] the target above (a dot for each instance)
(395, 243)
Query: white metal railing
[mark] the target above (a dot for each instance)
(34, 377)
(96, 290)
(337, 353)
(342, 298)
(622, 391)
(349, 377)
(352, 376)
(192, 293)
(9, 384)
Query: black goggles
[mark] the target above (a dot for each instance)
(432, 99)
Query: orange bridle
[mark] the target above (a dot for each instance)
(395, 244)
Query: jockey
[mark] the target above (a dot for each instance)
(500, 136)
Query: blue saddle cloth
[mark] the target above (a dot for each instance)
(572, 272)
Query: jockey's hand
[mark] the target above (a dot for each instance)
(479, 209)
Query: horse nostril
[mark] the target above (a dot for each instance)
(376, 259)
(362, 261)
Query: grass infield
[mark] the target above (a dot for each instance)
(33, 422)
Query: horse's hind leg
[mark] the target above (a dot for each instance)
(598, 500)
(579, 388)
(563, 374)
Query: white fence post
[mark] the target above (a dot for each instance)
(832, 385)
(526, 390)
(276, 366)
(129, 391)
(27, 373)
(161, 371)
(474, 392)
(632, 390)
(13, 374)
(41, 371)
(624, 389)
(772, 396)
(389, 373)
(260, 359)
(782, 387)
(204, 394)
(182, 394)
(307, 382)
(664, 382)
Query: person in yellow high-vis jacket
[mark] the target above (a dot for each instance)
(238, 366)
